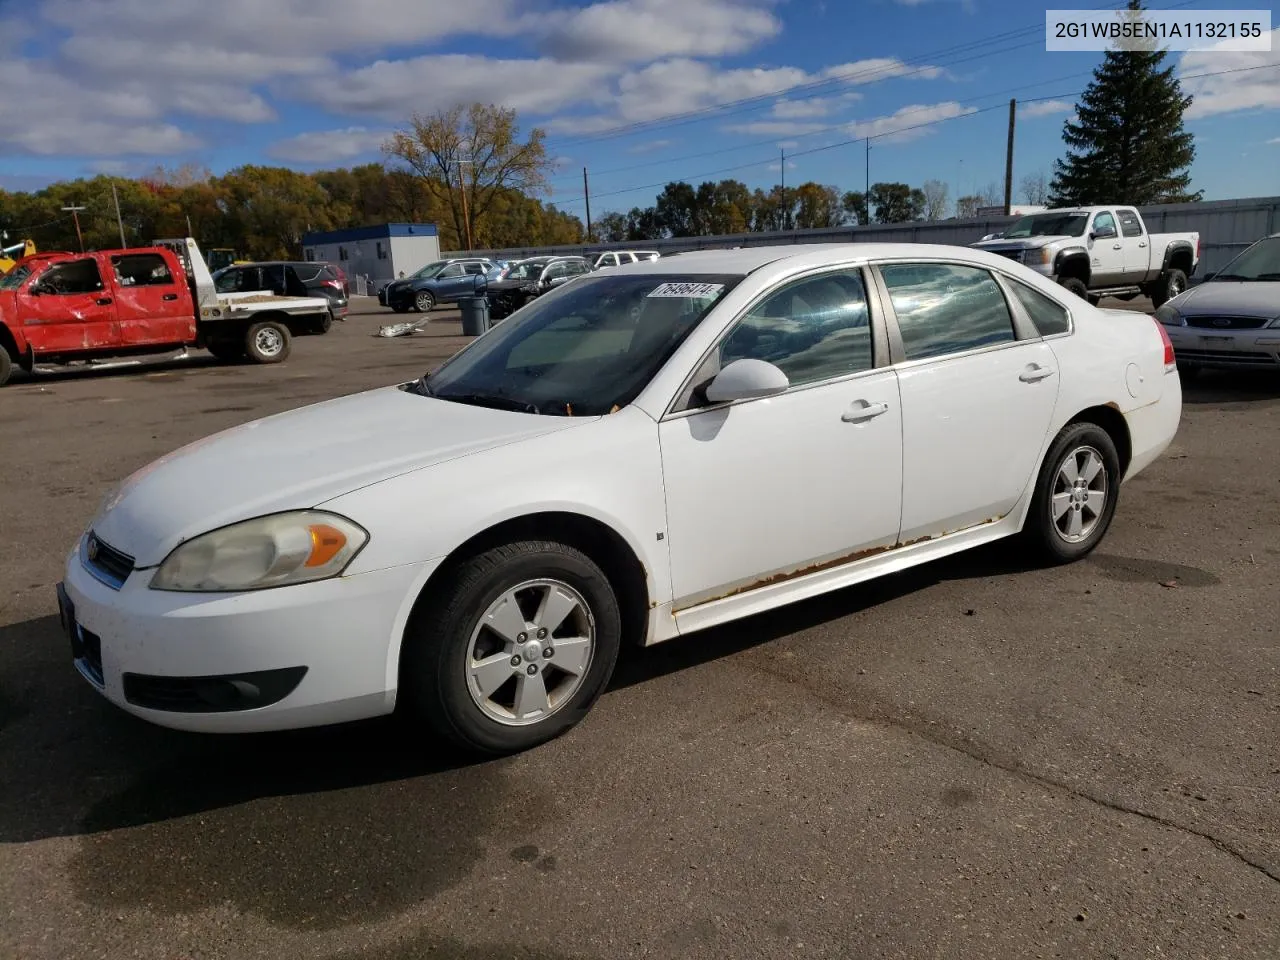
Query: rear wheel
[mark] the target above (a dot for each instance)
(267, 342)
(6, 366)
(323, 324)
(513, 649)
(1075, 496)
(1076, 286)
(227, 351)
(1171, 283)
(424, 301)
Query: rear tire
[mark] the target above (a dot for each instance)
(1075, 496)
(1171, 283)
(6, 366)
(323, 324)
(228, 351)
(268, 342)
(1075, 285)
(483, 689)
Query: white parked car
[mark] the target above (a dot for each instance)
(616, 258)
(636, 456)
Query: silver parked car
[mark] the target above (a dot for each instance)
(1232, 319)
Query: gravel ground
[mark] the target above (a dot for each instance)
(972, 759)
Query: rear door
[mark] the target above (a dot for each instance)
(69, 308)
(1135, 244)
(152, 304)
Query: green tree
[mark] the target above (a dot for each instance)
(610, 227)
(1127, 143)
(896, 202)
(854, 204)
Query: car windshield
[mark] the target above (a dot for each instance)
(1261, 262)
(430, 270)
(1048, 225)
(13, 279)
(525, 271)
(586, 349)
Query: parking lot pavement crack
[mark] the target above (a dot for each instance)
(929, 732)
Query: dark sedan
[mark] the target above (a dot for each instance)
(524, 280)
(443, 281)
(290, 278)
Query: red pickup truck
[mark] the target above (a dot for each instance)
(66, 308)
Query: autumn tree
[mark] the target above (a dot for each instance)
(478, 148)
(818, 206)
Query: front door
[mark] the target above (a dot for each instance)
(759, 490)
(68, 308)
(1106, 251)
(153, 308)
(453, 283)
(977, 401)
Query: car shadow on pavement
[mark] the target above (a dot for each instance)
(1232, 386)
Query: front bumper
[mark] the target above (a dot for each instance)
(1232, 350)
(305, 655)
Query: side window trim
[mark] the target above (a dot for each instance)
(1024, 326)
(1023, 329)
(880, 358)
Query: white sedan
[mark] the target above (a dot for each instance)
(647, 452)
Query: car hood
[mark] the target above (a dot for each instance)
(296, 460)
(1234, 297)
(1018, 243)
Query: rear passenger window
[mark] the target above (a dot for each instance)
(142, 270)
(946, 308)
(813, 330)
(1048, 316)
(1130, 225)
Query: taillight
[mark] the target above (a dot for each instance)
(1169, 359)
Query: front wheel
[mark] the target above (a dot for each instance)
(1075, 285)
(1171, 283)
(1075, 496)
(6, 366)
(228, 351)
(424, 301)
(267, 342)
(512, 649)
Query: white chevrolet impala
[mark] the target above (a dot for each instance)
(640, 454)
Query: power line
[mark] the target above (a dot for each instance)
(863, 76)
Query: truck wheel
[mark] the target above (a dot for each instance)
(1171, 283)
(267, 342)
(228, 351)
(6, 366)
(424, 301)
(1076, 286)
(323, 324)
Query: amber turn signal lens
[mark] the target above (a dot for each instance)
(326, 541)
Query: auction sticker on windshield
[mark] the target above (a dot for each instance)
(686, 290)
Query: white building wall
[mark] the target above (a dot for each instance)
(412, 253)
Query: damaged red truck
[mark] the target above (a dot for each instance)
(69, 308)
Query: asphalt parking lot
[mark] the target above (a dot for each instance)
(972, 759)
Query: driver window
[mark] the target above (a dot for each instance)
(813, 330)
(451, 271)
(1104, 222)
(555, 270)
(76, 277)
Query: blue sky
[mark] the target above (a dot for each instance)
(119, 86)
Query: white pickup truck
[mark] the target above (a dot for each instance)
(1098, 252)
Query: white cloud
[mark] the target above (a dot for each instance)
(788, 144)
(1229, 92)
(909, 123)
(874, 70)
(393, 89)
(329, 146)
(775, 167)
(649, 147)
(1044, 108)
(803, 109)
(1274, 140)
(646, 30)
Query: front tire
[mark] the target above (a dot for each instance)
(228, 351)
(1075, 496)
(1075, 285)
(267, 342)
(512, 649)
(6, 366)
(424, 301)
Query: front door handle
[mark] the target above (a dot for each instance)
(104, 301)
(170, 296)
(861, 410)
(1115, 246)
(1035, 373)
(1142, 243)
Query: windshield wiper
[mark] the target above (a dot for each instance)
(490, 400)
(1230, 276)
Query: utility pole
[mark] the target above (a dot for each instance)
(1008, 159)
(782, 174)
(466, 217)
(124, 244)
(75, 213)
(586, 195)
(190, 232)
(866, 197)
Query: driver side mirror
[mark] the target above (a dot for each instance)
(1104, 234)
(746, 379)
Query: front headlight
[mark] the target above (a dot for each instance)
(274, 551)
(1169, 316)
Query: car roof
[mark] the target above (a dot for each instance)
(744, 260)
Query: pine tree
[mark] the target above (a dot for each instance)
(1127, 143)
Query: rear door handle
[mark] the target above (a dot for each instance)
(1034, 373)
(104, 301)
(861, 410)
(170, 296)
(1115, 246)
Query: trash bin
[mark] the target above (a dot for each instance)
(475, 315)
